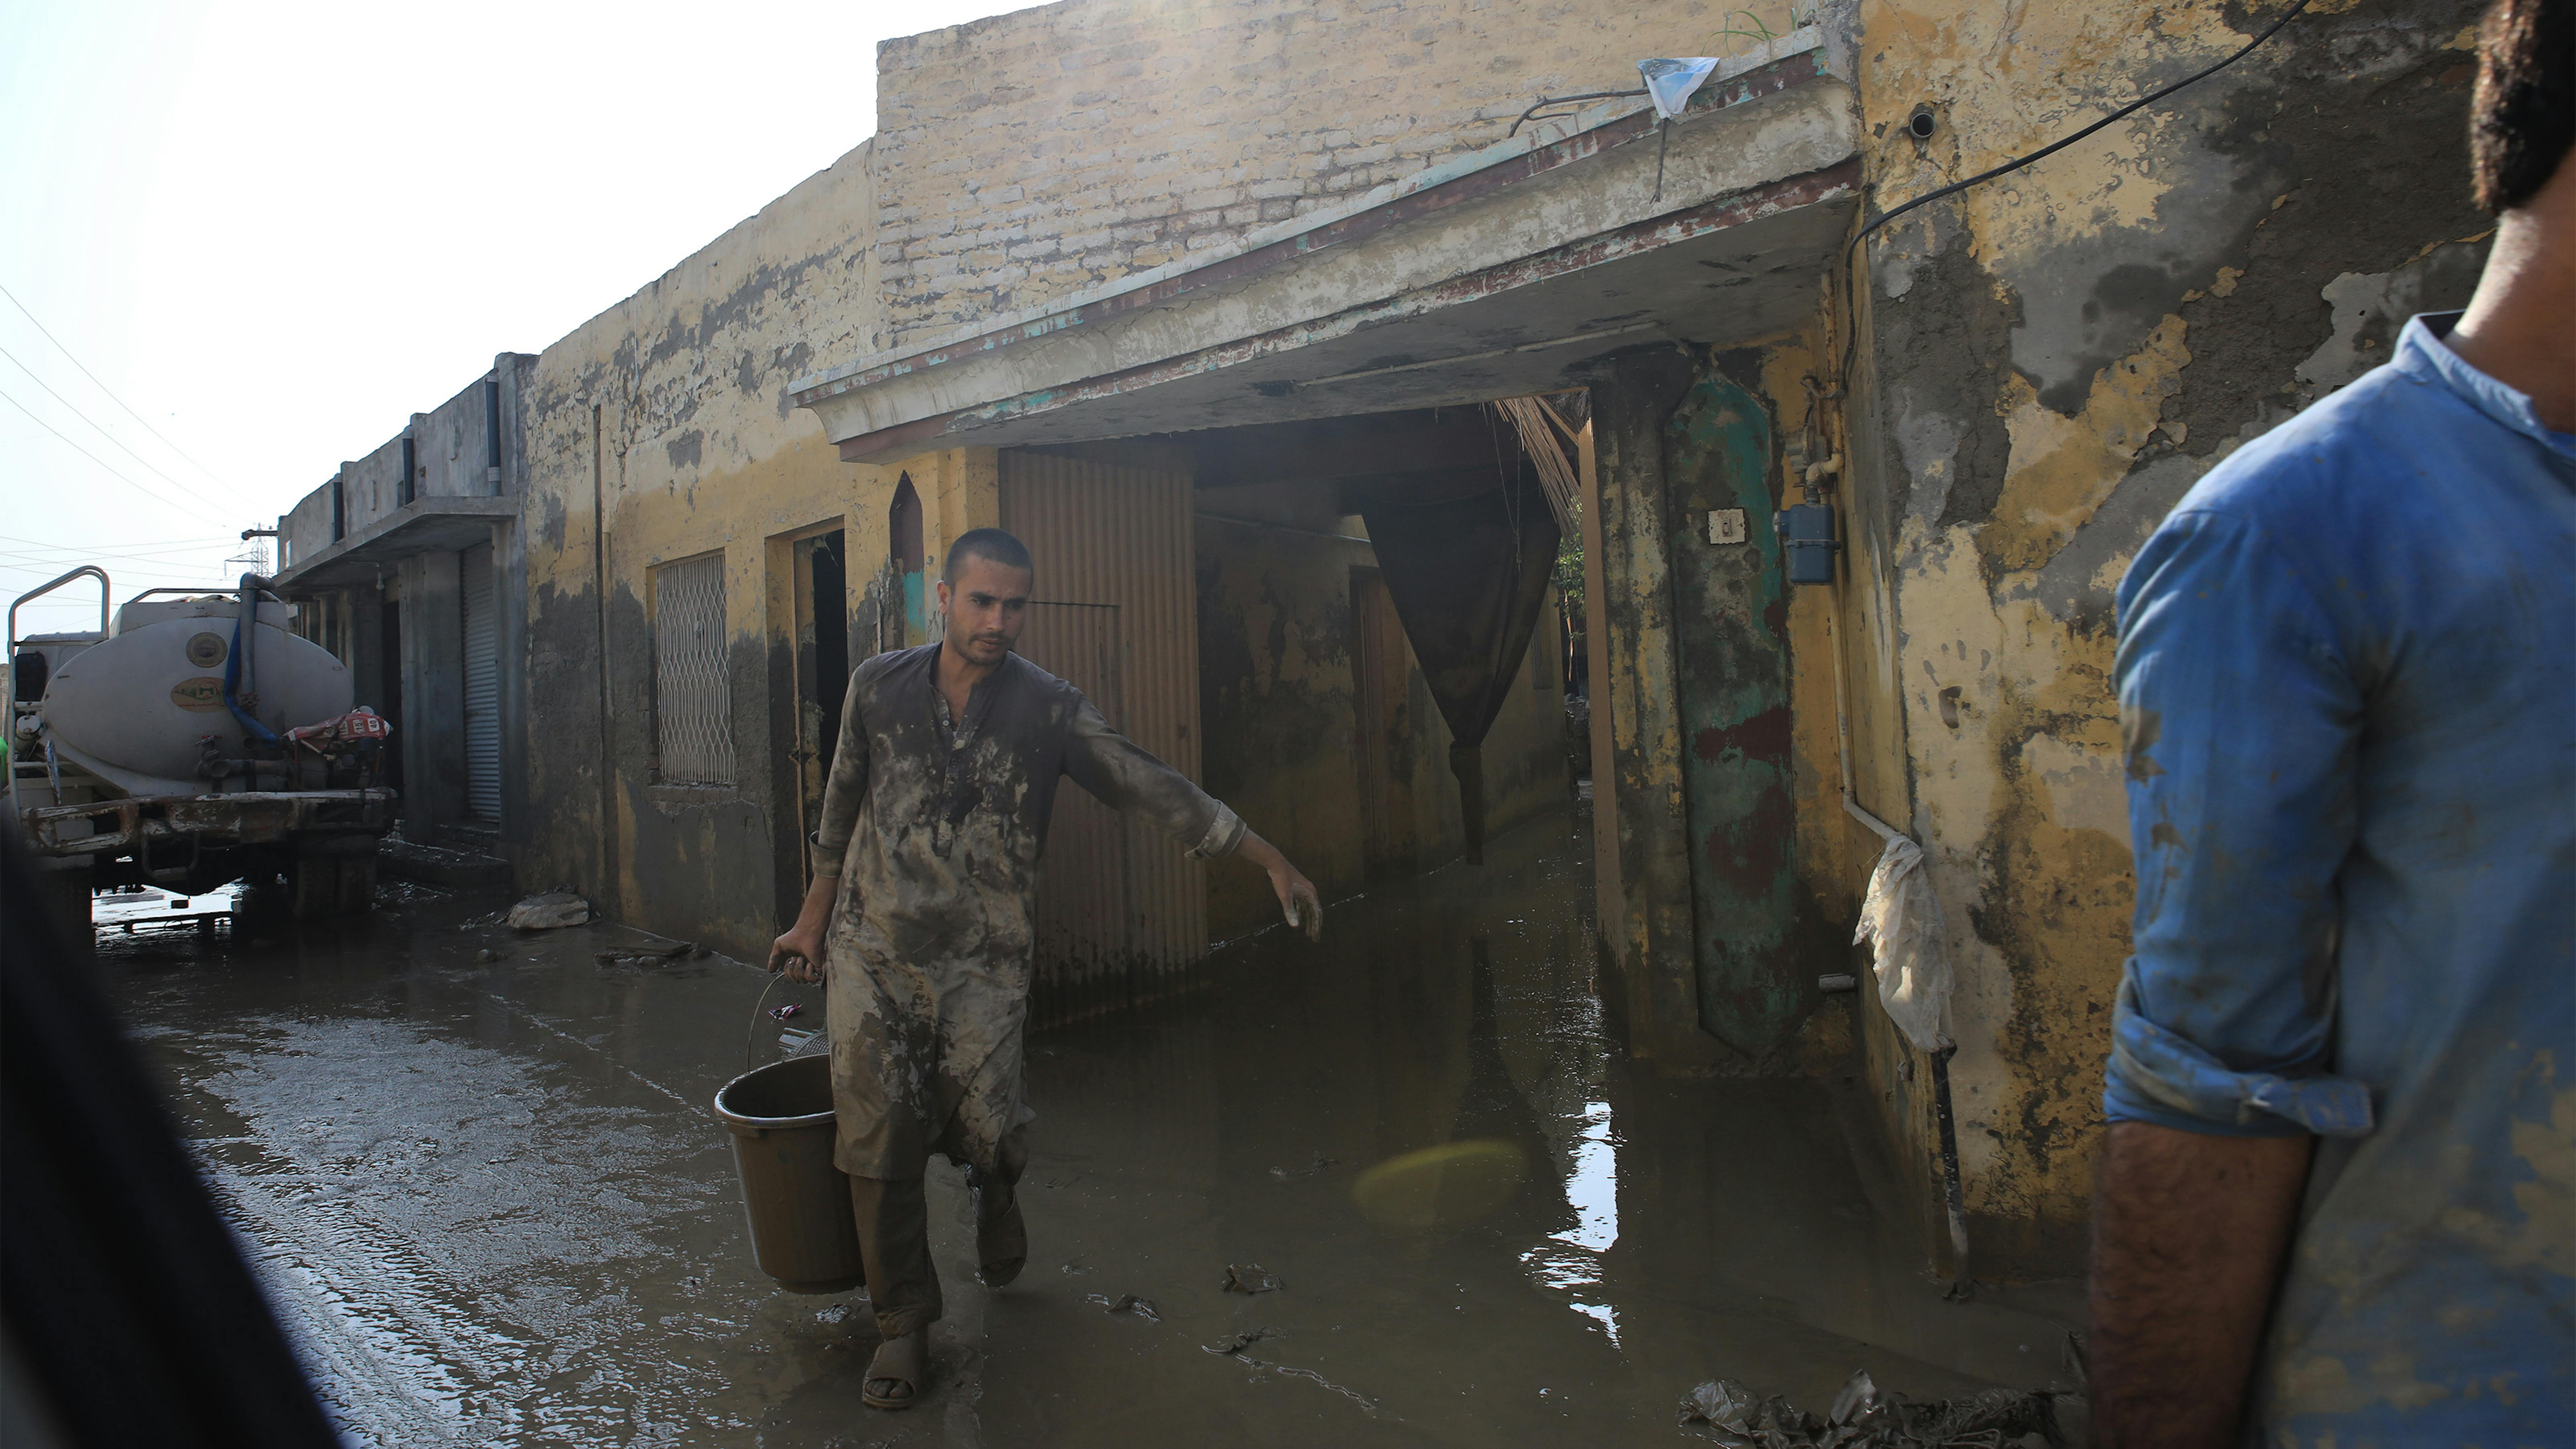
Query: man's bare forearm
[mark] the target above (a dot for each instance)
(2189, 1230)
(820, 898)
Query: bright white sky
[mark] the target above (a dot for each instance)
(274, 231)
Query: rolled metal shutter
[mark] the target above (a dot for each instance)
(482, 685)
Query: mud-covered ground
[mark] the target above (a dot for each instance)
(494, 1209)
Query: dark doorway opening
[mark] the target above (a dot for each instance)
(830, 592)
(822, 663)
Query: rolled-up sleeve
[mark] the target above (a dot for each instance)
(1123, 776)
(2241, 720)
(847, 790)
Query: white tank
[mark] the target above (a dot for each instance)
(144, 700)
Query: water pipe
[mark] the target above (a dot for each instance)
(1945, 1119)
(238, 676)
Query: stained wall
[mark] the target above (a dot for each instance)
(661, 431)
(2046, 364)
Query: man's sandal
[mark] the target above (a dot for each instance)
(896, 1373)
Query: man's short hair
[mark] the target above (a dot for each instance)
(2523, 114)
(991, 543)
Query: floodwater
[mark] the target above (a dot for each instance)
(493, 1208)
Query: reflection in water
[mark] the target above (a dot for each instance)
(1449, 1186)
(488, 1194)
(1570, 1261)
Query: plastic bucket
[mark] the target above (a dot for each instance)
(802, 1230)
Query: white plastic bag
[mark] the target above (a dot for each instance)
(1901, 918)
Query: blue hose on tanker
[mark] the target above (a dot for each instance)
(259, 733)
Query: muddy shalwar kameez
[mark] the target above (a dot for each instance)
(935, 828)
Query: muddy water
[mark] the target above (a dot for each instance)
(493, 1209)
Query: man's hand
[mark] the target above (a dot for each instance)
(1298, 901)
(2188, 1235)
(799, 952)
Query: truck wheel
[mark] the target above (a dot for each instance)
(357, 884)
(67, 895)
(313, 886)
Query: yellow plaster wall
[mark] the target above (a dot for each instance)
(666, 419)
(2104, 326)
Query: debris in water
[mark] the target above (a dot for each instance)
(1723, 1403)
(1319, 1164)
(645, 955)
(1078, 1266)
(549, 911)
(837, 1313)
(1234, 1343)
(1250, 1278)
(790, 1009)
(487, 954)
(1129, 1303)
(1865, 1417)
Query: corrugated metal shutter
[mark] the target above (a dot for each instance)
(1121, 912)
(482, 685)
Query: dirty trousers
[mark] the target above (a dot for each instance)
(893, 1218)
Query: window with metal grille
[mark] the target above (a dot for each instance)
(692, 703)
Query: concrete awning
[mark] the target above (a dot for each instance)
(1490, 276)
(427, 525)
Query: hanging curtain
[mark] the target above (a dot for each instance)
(1468, 576)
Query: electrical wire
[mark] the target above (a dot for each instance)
(93, 422)
(2053, 147)
(102, 462)
(178, 557)
(2049, 151)
(120, 402)
(40, 544)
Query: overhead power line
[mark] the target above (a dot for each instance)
(93, 422)
(120, 402)
(37, 543)
(174, 558)
(102, 463)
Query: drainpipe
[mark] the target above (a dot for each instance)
(1953, 1193)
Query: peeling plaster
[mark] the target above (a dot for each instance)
(2059, 362)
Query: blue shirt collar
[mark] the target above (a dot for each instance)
(2421, 353)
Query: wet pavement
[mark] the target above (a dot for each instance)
(494, 1209)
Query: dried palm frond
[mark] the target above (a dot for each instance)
(1538, 425)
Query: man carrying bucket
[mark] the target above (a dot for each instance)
(923, 911)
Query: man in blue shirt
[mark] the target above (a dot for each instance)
(2335, 1205)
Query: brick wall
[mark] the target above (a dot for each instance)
(1039, 154)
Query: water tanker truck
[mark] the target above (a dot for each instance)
(195, 743)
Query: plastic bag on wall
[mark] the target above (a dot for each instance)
(1901, 918)
(1670, 81)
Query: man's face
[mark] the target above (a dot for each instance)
(986, 605)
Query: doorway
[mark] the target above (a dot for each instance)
(822, 665)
